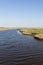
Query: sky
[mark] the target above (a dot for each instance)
(21, 13)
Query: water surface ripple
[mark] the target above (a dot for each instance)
(18, 49)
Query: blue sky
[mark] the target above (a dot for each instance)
(21, 13)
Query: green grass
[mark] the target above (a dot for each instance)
(35, 32)
(32, 30)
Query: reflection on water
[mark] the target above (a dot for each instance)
(18, 49)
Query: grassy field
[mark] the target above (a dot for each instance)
(35, 32)
(4, 29)
(32, 30)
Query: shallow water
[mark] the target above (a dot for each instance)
(18, 49)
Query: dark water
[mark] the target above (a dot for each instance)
(18, 49)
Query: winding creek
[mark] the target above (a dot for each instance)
(18, 49)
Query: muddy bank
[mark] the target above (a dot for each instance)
(38, 36)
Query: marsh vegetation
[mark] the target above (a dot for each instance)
(35, 32)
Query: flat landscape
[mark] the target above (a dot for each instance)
(6, 28)
(35, 32)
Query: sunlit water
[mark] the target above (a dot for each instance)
(18, 49)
